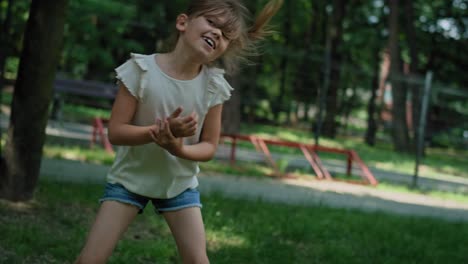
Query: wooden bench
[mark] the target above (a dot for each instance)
(90, 93)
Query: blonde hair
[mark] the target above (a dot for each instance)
(245, 35)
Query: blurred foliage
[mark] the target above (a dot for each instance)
(100, 34)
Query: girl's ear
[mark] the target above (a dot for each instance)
(181, 22)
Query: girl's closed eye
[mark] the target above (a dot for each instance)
(211, 22)
(225, 36)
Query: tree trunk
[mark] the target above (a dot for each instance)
(336, 34)
(413, 68)
(279, 105)
(32, 96)
(399, 124)
(248, 91)
(318, 33)
(372, 105)
(231, 117)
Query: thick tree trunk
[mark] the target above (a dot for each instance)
(336, 32)
(31, 99)
(399, 125)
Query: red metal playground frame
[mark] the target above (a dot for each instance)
(310, 153)
(261, 145)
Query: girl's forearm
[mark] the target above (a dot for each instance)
(203, 151)
(129, 135)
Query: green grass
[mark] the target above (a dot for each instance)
(95, 155)
(83, 114)
(52, 228)
(458, 197)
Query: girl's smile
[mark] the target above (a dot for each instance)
(210, 42)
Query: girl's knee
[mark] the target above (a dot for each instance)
(90, 259)
(200, 258)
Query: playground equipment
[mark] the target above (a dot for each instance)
(309, 151)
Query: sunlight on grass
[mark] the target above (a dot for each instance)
(225, 237)
(395, 165)
(80, 113)
(93, 155)
(289, 136)
(23, 207)
(240, 168)
(431, 193)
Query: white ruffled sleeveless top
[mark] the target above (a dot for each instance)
(150, 170)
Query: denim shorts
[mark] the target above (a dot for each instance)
(117, 192)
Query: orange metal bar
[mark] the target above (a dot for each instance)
(261, 147)
(233, 150)
(98, 129)
(365, 170)
(326, 174)
(253, 139)
(312, 163)
(93, 134)
(310, 153)
(268, 156)
(349, 166)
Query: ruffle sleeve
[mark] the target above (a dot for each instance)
(132, 74)
(219, 90)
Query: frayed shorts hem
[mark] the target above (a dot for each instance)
(186, 199)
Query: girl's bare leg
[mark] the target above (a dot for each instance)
(111, 222)
(189, 233)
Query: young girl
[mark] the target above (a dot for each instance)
(166, 118)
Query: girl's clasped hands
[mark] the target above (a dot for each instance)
(169, 132)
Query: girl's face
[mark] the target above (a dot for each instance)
(203, 34)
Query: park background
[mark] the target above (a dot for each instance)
(378, 77)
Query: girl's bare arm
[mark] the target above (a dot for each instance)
(121, 131)
(202, 151)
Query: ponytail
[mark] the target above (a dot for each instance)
(260, 29)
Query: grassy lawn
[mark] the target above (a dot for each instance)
(52, 228)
